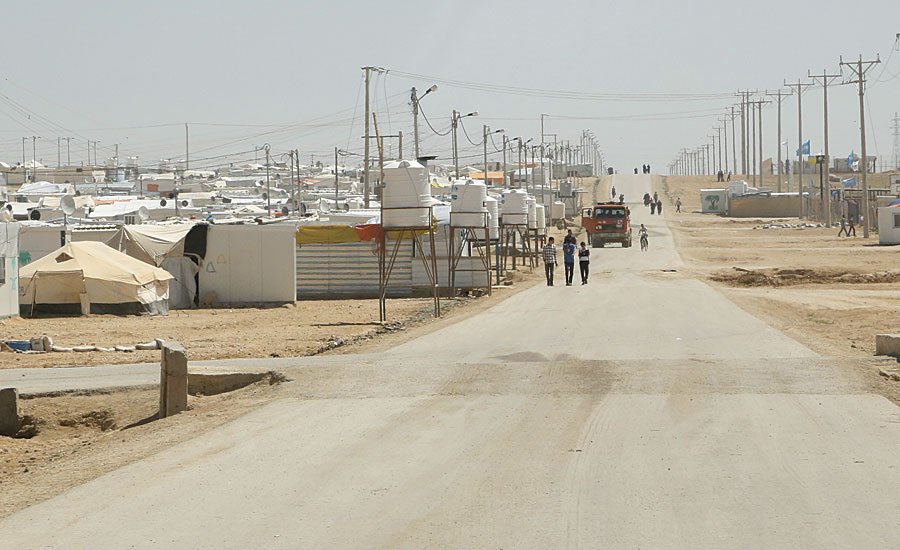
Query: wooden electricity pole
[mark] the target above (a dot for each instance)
(859, 69)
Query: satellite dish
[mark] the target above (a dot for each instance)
(346, 207)
(163, 202)
(171, 194)
(9, 207)
(184, 203)
(35, 215)
(143, 213)
(285, 211)
(67, 205)
(265, 196)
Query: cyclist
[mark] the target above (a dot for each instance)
(645, 240)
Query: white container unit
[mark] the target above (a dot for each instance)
(493, 208)
(468, 204)
(541, 220)
(405, 186)
(513, 207)
(532, 212)
(558, 210)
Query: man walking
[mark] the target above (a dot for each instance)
(549, 253)
(584, 262)
(852, 227)
(569, 238)
(659, 208)
(843, 227)
(678, 204)
(569, 260)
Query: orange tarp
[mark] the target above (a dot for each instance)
(492, 176)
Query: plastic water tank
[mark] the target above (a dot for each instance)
(532, 212)
(558, 210)
(513, 207)
(541, 219)
(467, 202)
(405, 186)
(493, 208)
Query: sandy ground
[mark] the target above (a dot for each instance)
(300, 329)
(831, 293)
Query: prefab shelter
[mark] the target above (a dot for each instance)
(889, 224)
(91, 277)
(9, 267)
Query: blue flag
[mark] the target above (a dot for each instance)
(849, 182)
(850, 159)
(805, 148)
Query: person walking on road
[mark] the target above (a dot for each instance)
(549, 253)
(584, 262)
(843, 227)
(659, 208)
(569, 261)
(652, 207)
(678, 205)
(569, 238)
(852, 228)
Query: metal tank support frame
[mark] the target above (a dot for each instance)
(470, 235)
(508, 233)
(386, 264)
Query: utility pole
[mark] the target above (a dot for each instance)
(779, 95)
(719, 136)
(758, 104)
(268, 191)
(187, 149)
(825, 79)
(415, 105)
(801, 86)
(368, 71)
(896, 133)
(68, 152)
(733, 141)
(753, 167)
(859, 69)
(34, 157)
(58, 152)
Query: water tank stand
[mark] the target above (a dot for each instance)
(509, 233)
(470, 234)
(386, 261)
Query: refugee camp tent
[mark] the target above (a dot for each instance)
(91, 277)
(162, 246)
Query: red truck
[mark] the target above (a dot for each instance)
(607, 223)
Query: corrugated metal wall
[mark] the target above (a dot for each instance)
(351, 269)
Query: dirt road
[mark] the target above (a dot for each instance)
(643, 410)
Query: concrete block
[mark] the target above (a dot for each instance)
(887, 344)
(173, 380)
(9, 412)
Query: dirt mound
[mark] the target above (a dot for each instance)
(740, 277)
(104, 419)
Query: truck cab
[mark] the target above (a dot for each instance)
(607, 223)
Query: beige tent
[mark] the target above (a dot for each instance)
(151, 243)
(162, 246)
(91, 277)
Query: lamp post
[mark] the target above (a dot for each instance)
(454, 122)
(415, 106)
(487, 131)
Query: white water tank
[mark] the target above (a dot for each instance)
(532, 212)
(468, 204)
(541, 220)
(558, 210)
(405, 187)
(493, 208)
(513, 207)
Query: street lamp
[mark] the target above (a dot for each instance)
(506, 141)
(454, 120)
(486, 133)
(415, 103)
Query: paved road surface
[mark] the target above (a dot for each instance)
(640, 411)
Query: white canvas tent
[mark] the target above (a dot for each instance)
(91, 277)
(162, 246)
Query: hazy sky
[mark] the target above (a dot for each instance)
(288, 73)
